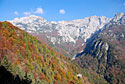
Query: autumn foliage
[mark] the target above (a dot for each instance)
(31, 58)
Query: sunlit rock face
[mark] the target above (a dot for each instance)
(104, 53)
(68, 34)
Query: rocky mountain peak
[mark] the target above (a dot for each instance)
(69, 31)
(32, 24)
(118, 19)
(62, 34)
(28, 19)
(119, 16)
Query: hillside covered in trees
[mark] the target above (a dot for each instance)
(25, 60)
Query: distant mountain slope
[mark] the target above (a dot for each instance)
(63, 35)
(105, 52)
(25, 60)
(70, 31)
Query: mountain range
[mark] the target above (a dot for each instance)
(63, 36)
(95, 44)
(104, 53)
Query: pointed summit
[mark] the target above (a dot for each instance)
(119, 17)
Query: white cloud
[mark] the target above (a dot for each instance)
(62, 11)
(16, 13)
(39, 11)
(27, 13)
